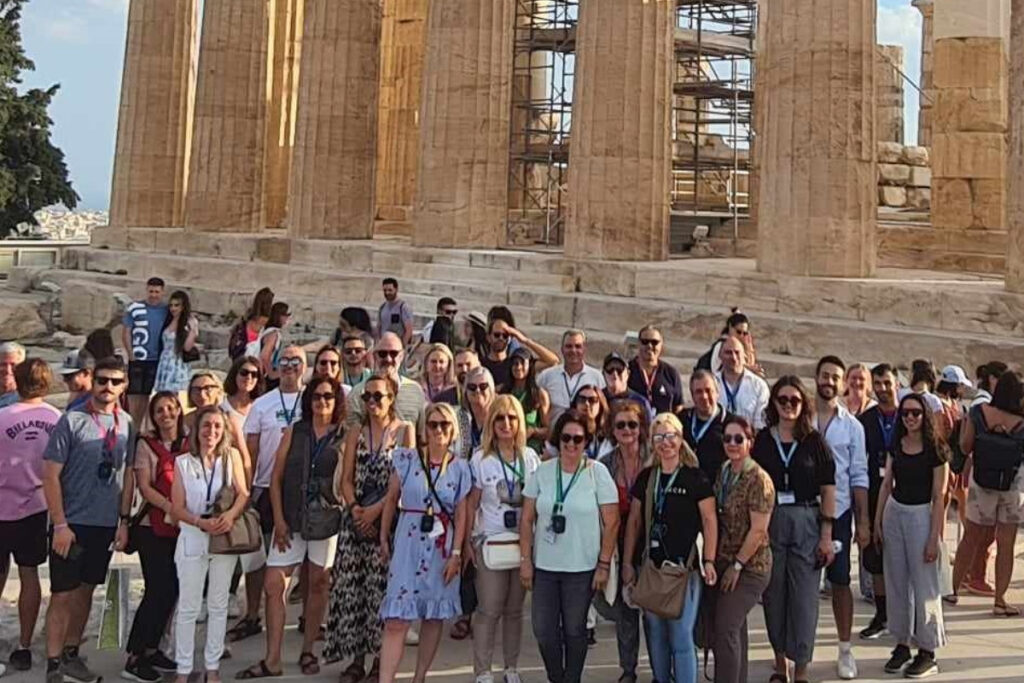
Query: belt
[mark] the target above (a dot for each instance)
(804, 504)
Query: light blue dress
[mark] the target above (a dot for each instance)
(416, 588)
(172, 373)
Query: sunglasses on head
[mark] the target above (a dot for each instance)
(385, 354)
(325, 396)
(912, 412)
(737, 439)
(791, 401)
(349, 350)
(576, 439)
(666, 437)
(653, 343)
(375, 396)
(103, 381)
(249, 373)
(291, 362)
(439, 425)
(627, 424)
(473, 388)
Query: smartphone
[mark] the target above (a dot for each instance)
(75, 552)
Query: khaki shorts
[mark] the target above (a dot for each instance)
(987, 507)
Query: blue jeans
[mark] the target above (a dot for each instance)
(559, 614)
(670, 641)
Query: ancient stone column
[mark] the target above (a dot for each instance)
(334, 161)
(154, 125)
(620, 167)
(889, 94)
(462, 183)
(283, 61)
(1015, 165)
(401, 80)
(924, 116)
(225, 191)
(817, 157)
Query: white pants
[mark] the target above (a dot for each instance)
(192, 572)
(320, 553)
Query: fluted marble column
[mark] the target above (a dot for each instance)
(283, 62)
(225, 190)
(155, 115)
(462, 184)
(331, 192)
(620, 166)
(401, 80)
(818, 193)
(1015, 165)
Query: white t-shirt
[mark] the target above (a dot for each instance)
(493, 479)
(561, 387)
(749, 400)
(269, 416)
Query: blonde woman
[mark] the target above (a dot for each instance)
(211, 463)
(438, 379)
(500, 470)
(682, 505)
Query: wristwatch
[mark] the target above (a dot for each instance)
(738, 566)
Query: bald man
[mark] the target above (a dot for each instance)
(388, 355)
(740, 391)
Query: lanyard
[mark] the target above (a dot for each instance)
(208, 481)
(316, 447)
(562, 493)
(660, 494)
(786, 457)
(432, 483)
(109, 436)
(289, 415)
(887, 423)
(697, 436)
(649, 383)
(727, 480)
(730, 393)
(517, 474)
(593, 449)
(565, 378)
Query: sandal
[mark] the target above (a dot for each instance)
(257, 671)
(244, 629)
(309, 664)
(778, 677)
(952, 598)
(355, 673)
(1006, 610)
(461, 629)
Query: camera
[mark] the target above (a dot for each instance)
(426, 523)
(558, 524)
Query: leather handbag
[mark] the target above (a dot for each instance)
(501, 551)
(660, 590)
(245, 535)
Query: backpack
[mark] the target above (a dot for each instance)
(997, 455)
(237, 341)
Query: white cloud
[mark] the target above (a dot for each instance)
(66, 27)
(900, 24)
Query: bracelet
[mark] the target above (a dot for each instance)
(457, 552)
(708, 561)
(61, 526)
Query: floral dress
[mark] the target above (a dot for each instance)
(360, 575)
(416, 587)
(172, 372)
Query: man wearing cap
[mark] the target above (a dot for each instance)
(498, 360)
(658, 381)
(76, 371)
(616, 379)
(564, 380)
(11, 354)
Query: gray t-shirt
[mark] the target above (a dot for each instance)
(392, 317)
(77, 443)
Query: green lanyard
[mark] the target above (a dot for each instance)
(562, 493)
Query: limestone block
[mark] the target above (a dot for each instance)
(109, 237)
(968, 155)
(889, 152)
(970, 109)
(20, 320)
(1015, 160)
(969, 63)
(920, 176)
(991, 242)
(919, 198)
(274, 250)
(989, 204)
(891, 195)
(951, 205)
(87, 305)
(955, 18)
(893, 174)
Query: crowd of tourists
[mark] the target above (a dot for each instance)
(404, 480)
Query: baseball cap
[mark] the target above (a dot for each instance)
(76, 361)
(614, 357)
(954, 374)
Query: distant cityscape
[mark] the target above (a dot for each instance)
(58, 224)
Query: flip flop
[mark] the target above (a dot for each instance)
(1006, 611)
(257, 671)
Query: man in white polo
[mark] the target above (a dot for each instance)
(564, 380)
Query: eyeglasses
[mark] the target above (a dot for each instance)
(112, 381)
(290, 363)
(737, 439)
(916, 413)
(473, 388)
(791, 401)
(385, 354)
(205, 388)
(510, 418)
(576, 439)
(592, 400)
(325, 397)
(652, 343)
(328, 363)
(627, 424)
(668, 437)
(439, 425)
(352, 350)
(375, 396)
(254, 374)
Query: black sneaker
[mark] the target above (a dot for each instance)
(899, 659)
(924, 665)
(21, 659)
(162, 663)
(139, 669)
(873, 630)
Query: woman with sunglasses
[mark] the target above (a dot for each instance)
(155, 536)
(478, 393)
(360, 573)
(438, 379)
(682, 505)
(590, 403)
(431, 484)
(743, 563)
(306, 520)
(327, 363)
(909, 524)
(271, 343)
(628, 429)
(567, 538)
(242, 386)
(181, 329)
(199, 475)
(535, 401)
(500, 470)
(800, 465)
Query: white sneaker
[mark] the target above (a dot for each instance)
(412, 636)
(512, 676)
(846, 666)
(485, 678)
(234, 608)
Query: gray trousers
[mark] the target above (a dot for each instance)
(913, 598)
(500, 595)
(791, 600)
(730, 639)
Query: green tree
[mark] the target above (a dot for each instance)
(33, 174)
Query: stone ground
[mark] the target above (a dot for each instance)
(981, 648)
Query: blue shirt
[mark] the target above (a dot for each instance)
(145, 323)
(8, 399)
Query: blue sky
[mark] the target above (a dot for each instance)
(80, 44)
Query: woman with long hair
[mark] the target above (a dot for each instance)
(199, 475)
(423, 578)
(360, 572)
(590, 403)
(500, 470)
(627, 427)
(155, 537)
(245, 335)
(181, 329)
(438, 379)
(205, 390)
(535, 401)
(242, 385)
(909, 524)
(858, 389)
(800, 465)
(678, 498)
(271, 342)
(478, 393)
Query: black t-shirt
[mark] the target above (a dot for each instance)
(876, 426)
(679, 520)
(666, 389)
(501, 371)
(710, 450)
(811, 467)
(912, 476)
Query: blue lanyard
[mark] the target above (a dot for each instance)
(592, 449)
(730, 394)
(697, 436)
(660, 494)
(786, 458)
(517, 475)
(888, 427)
(289, 415)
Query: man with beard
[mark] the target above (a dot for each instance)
(845, 437)
(394, 315)
(498, 360)
(410, 400)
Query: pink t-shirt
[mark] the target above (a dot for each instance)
(24, 432)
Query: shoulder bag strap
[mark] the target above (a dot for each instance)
(652, 483)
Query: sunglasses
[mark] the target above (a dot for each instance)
(473, 388)
(499, 335)
(511, 419)
(375, 396)
(352, 350)
(112, 381)
(249, 373)
(385, 355)
(653, 343)
(293, 363)
(326, 396)
(615, 371)
(451, 312)
(592, 400)
(328, 363)
(576, 439)
(439, 425)
(737, 439)
(791, 401)
(916, 413)
(205, 388)
(666, 438)
(630, 424)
